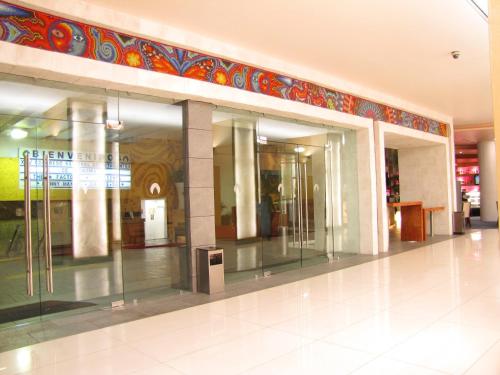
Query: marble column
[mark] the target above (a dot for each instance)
(487, 180)
(89, 224)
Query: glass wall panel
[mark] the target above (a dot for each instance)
(107, 198)
(151, 198)
(235, 194)
(305, 191)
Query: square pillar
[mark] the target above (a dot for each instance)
(199, 180)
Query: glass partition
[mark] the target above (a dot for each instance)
(91, 199)
(235, 199)
(299, 186)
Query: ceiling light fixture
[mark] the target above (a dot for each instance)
(17, 133)
(114, 125)
(299, 149)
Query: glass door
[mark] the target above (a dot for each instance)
(313, 197)
(76, 172)
(19, 239)
(294, 226)
(279, 213)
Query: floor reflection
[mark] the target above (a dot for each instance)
(245, 260)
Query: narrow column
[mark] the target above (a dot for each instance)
(494, 24)
(199, 179)
(487, 180)
(89, 225)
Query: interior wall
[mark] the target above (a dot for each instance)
(382, 222)
(368, 243)
(423, 177)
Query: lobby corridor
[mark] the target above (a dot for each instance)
(432, 310)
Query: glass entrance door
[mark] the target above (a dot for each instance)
(279, 207)
(77, 173)
(100, 218)
(293, 222)
(57, 220)
(19, 239)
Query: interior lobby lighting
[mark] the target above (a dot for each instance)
(299, 149)
(262, 140)
(114, 125)
(17, 133)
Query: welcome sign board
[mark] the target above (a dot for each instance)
(88, 170)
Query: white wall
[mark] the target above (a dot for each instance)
(423, 177)
(367, 192)
(487, 180)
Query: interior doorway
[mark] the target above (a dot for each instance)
(415, 188)
(155, 220)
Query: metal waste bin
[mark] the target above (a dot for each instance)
(210, 269)
(458, 222)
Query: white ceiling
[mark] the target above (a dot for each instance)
(400, 48)
(471, 135)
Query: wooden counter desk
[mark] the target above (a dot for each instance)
(412, 220)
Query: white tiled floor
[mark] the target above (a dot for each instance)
(433, 310)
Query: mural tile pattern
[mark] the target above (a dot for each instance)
(37, 29)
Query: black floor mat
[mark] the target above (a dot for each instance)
(35, 309)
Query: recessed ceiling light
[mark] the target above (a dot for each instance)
(17, 133)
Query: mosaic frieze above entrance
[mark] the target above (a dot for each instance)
(37, 29)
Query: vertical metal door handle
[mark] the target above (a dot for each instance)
(27, 225)
(299, 202)
(48, 232)
(294, 179)
(307, 204)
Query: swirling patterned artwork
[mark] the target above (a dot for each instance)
(37, 29)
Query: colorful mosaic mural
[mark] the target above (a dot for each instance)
(36, 29)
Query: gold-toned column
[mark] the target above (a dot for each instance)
(494, 22)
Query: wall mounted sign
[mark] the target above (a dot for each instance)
(32, 28)
(92, 170)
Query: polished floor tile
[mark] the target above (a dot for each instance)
(385, 366)
(239, 355)
(432, 310)
(489, 363)
(316, 358)
(447, 347)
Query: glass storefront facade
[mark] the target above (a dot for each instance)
(285, 193)
(91, 198)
